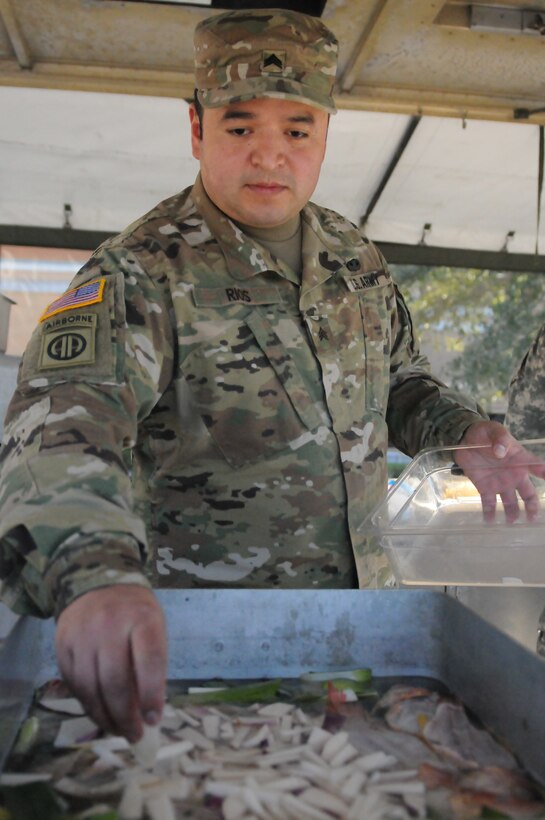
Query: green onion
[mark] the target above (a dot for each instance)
(246, 693)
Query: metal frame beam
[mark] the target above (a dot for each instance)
(400, 150)
(16, 38)
(428, 255)
(394, 252)
(35, 236)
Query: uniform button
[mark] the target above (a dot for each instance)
(353, 264)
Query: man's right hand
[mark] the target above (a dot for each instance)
(112, 652)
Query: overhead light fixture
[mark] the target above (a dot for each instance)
(504, 20)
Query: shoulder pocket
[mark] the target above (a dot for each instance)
(78, 337)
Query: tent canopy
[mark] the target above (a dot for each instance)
(436, 143)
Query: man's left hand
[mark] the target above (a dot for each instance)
(501, 466)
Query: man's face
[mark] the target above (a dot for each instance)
(260, 160)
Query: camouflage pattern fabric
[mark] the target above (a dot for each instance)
(525, 416)
(241, 55)
(229, 426)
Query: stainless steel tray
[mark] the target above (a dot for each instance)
(262, 633)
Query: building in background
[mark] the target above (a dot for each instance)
(30, 278)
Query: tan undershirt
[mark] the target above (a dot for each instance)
(283, 241)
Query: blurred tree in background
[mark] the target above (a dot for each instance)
(481, 323)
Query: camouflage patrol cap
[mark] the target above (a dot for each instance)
(241, 55)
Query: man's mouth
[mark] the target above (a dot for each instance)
(266, 187)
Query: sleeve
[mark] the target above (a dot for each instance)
(95, 366)
(422, 410)
(526, 396)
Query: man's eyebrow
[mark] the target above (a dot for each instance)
(241, 114)
(238, 114)
(306, 118)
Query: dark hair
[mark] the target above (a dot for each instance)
(198, 110)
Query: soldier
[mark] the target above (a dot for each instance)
(525, 419)
(210, 403)
(526, 399)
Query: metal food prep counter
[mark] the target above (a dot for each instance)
(284, 633)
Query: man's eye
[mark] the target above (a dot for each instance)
(239, 132)
(298, 135)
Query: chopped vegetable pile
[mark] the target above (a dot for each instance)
(271, 750)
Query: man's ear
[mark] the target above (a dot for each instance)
(195, 132)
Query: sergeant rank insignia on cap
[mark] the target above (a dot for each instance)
(273, 61)
(89, 294)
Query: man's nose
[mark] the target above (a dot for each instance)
(268, 152)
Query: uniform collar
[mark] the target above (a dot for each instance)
(330, 243)
(244, 256)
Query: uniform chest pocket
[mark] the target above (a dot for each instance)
(248, 391)
(376, 318)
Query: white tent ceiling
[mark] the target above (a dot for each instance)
(93, 114)
(113, 156)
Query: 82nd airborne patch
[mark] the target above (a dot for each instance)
(68, 341)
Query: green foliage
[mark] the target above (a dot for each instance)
(486, 318)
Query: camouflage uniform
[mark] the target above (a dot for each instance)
(525, 416)
(254, 404)
(526, 401)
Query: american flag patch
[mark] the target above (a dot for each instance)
(89, 294)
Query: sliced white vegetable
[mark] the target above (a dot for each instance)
(177, 749)
(318, 738)
(196, 690)
(211, 726)
(368, 806)
(106, 758)
(219, 788)
(95, 811)
(194, 768)
(282, 756)
(75, 732)
(67, 706)
(251, 798)
(374, 761)
(197, 738)
(348, 752)
(262, 735)
(334, 745)
(352, 786)
(71, 787)
(288, 784)
(187, 718)
(171, 718)
(112, 743)
(324, 800)
(22, 778)
(299, 809)
(277, 710)
(145, 750)
(240, 735)
(395, 776)
(233, 807)
(401, 787)
(160, 807)
(131, 806)
(301, 717)
(338, 775)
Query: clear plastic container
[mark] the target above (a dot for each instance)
(432, 529)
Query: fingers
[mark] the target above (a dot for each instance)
(488, 503)
(510, 505)
(528, 493)
(111, 649)
(79, 670)
(115, 688)
(149, 662)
